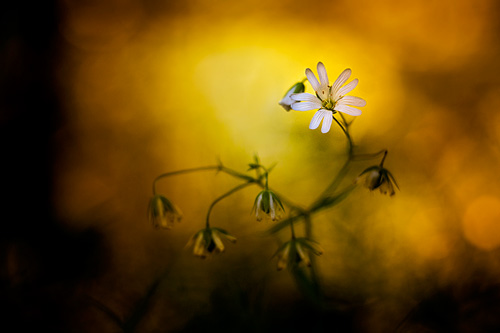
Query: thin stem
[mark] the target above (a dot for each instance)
(328, 200)
(361, 157)
(342, 172)
(383, 159)
(237, 174)
(266, 175)
(344, 120)
(222, 168)
(173, 173)
(314, 274)
(237, 188)
(293, 230)
(348, 136)
(336, 181)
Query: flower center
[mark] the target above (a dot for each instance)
(328, 104)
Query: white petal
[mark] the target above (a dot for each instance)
(218, 243)
(257, 205)
(305, 97)
(305, 106)
(323, 77)
(346, 89)
(286, 102)
(312, 79)
(318, 116)
(327, 123)
(271, 208)
(352, 100)
(347, 109)
(343, 77)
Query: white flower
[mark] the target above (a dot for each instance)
(267, 204)
(208, 241)
(328, 99)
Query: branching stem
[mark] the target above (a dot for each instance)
(237, 188)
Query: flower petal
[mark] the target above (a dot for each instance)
(352, 100)
(327, 123)
(343, 77)
(286, 102)
(303, 256)
(345, 89)
(271, 208)
(306, 106)
(323, 77)
(217, 241)
(305, 97)
(316, 120)
(348, 109)
(312, 79)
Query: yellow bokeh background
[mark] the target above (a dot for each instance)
(152, 87)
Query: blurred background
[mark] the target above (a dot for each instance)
(100, 97)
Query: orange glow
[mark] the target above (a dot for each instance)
(481, 222)
(156, 86)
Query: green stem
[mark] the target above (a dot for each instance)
(266, 175)
(222, 168)
(314, 274)
(237, 174)
(237, 188)
(344, 120)
(330, 200)
(348, 136)
(383, 159)
(342, 172)
(293, 230)
(361, 157)
(173, 173)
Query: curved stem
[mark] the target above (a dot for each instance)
(343, 171)
(237, 174)
(346, 124)
(383, 159)
(348, 136)
(237, 188)
(222, 168)
(173, 173)
(361, 157)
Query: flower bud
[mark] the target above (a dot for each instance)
(162, 212)
(267, 204)
(287, 101)
(377, 177)
(208, 241)
(296, 252)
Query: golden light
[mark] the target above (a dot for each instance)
(149, 87)
(481, 222)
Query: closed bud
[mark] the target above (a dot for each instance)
(287, 101)
(163, 213)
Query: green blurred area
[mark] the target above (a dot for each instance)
(147, 87)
